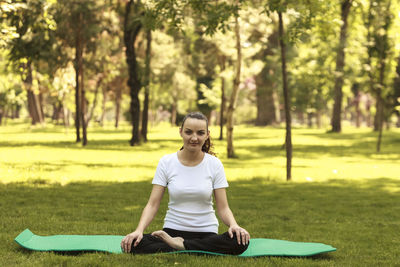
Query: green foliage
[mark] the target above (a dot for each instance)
(209, 15)
(33, 31)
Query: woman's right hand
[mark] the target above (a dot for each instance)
(126, 243)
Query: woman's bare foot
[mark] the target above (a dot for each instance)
(174, 242)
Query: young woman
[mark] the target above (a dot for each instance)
(192, 175)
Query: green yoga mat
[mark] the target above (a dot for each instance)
(111, 243)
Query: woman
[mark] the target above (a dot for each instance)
(192, 175)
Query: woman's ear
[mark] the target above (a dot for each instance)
(180, 131)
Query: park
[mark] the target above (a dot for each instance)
(302, 101)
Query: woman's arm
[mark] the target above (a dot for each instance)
(147, 216)
(226, 215)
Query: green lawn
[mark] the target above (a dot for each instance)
(342, 194)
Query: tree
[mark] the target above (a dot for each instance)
(222, 65)
(340, 62)
(32, 43)
(268, 112)
(382, 46)
(286, 96)
(78, 26)
(235, 91)
(396, 94)
(132, 26)
(146, 86)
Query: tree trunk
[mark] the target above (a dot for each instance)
(78, 70)
(267, 110)
(5, 114)
(383, 44)
(310, 119)
(33, 101)
(357, 100)
(65, 113)
(318, 119)
(16, 111)
(130, 34)
(222, 62)
(117, 106)
(83, 116)
(40, 105)
(84, 105)
(90, 115)
(340, 61)
(396, 87)
(80, 77)
(286, 97)
(103, 106)
(235, 92)
(145, 116)
(173, 110)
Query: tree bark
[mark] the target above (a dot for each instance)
(382, 67)
(396, 87)
(80, 77)
(65, 113)
(103, 106)
(267, 110)
(222, 62)
(33, 101)
(173, 114)
(145, 116)
(117, 105)
(286, 97)
(84, 120)
(235, 92)
(40, 105)
(340, 61)
(90, 115)
(130, 35)
(78, 70)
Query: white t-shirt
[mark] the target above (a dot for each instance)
(190, 189)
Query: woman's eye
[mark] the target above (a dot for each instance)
(188, 132)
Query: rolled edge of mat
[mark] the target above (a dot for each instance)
(24, 236)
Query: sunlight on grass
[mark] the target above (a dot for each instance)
(51, 154)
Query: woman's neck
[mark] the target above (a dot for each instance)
(190, 158)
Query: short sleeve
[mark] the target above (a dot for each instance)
(160, 177)
(219, 180)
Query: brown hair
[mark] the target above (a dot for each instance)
(208, 146)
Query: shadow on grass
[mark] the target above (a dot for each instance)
(106, 144)
(64, 164)
(364, 149)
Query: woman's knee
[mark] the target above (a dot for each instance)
(235, 247)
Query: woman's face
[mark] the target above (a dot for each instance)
(194, 133)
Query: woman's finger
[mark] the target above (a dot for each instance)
(238, 236)
(137, 241)
(128, 244)
(230, 233)
(125, 246)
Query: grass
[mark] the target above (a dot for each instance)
(343, 193)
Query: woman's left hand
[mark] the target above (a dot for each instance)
(243, 237)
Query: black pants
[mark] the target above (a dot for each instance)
(211, 242)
